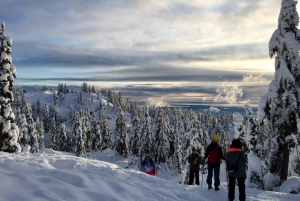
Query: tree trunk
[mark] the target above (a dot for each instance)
(285, 163)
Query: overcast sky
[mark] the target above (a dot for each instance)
(163, 51)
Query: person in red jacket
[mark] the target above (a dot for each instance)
(214, 154)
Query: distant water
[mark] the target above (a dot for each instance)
(229, 110)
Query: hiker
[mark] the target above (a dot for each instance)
(235, 166)
(214, 154)
(149, 166)
(194, 161)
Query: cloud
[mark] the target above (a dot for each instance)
(214, 109)
(231, 94)
(255, 78)
(157, 101)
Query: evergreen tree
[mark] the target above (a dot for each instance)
(39, 127)
(9, 131)
(46, 118)
(145, 143)
(79, 143)
(179, 133)
(254, 174)
(62, 138)
(53, 135)
(80, 99)
(279, 107)
(134, 134)
(24, 136)
(106, 133)
(86, 128)
(96, 137)
(70, 140)
(121, 139)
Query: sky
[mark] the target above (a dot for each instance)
(163, 52)
(56, 176)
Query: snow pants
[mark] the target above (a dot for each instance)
(194, 174)
(241, 183)
(153, 173)
(216, 169)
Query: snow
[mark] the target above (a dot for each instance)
(290, 185)
(53, 175)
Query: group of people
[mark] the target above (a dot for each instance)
(235, 166)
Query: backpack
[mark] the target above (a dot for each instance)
(234, 167)
(213, 157)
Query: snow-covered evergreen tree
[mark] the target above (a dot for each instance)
(46, 118)
(279, 107)
(145, 142)
(134, 134)
(39, 127)
(106, 132)
(179, 131)
(24, 136)
(34, 145)
(62, 138)
(254, 174)
(53, 135)
(96, 137)
(9, 132)
(70, 140)
(121, 138)
(79, 143)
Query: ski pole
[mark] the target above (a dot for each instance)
(202, 174)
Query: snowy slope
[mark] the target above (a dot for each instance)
(52, 175)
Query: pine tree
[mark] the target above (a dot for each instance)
(96, 137)
(279, 107)
(254, 174)
(62, 138)
(46, 118)
(145, 143)
(79, 143)
(86, 128)
(24, 136)
(9, 131)
(39, 127)
(134, 134)
(80, 98)
(121, 142)
(106, 133)
(53, 135)
(33, 142)
(70, 140)
(179, 133)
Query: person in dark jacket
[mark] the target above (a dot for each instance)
(214, 154)
(194, 161)
(235, 165)
(149, 166)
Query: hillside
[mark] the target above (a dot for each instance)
(56, 176)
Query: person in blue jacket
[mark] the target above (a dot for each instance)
(149, 166)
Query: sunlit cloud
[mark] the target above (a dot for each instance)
(231, 94)
(157, 101)
(255, 78)
(112, 43)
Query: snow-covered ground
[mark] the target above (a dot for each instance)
(53, 175)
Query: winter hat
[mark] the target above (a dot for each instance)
(215, 138)
(236, 143)
(193, 149)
